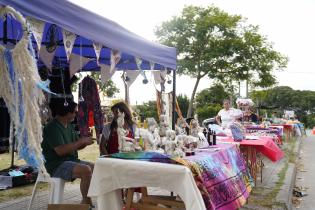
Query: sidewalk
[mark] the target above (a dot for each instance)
(305, 174)
(275, 190)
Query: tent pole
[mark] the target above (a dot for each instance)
(5, 30)
(12, 152)
(174, 99)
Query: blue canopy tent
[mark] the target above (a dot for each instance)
(137, 53)
(90, 28)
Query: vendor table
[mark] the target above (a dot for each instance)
(251, 148)
(214, 178)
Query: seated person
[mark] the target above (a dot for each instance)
(228, 115)
(60, 145)
(250, 116)
(109, 139)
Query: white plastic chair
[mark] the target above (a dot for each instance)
(56, 189)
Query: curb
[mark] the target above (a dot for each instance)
(285, 194)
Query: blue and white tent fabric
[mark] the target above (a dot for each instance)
(60, 28)
(63, 34)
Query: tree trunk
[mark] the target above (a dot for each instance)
(126, 93)
(191, 102)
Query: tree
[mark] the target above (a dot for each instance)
(213, 95)
(148, 109)
(209, 101)
(109, 88)
(285, 98)
(183, 102)
(211, 43)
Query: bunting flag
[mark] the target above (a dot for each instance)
(46, 56)
(37, 28)
(159, 76)
(97, 48)
(77, 62)
(114, 59)
(106, 73)
(68, 41)
(132, 76)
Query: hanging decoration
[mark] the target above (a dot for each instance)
(37, 28)
(19, 74)
(46, 57)
(47, 53)
(106, 73)
(115, 56)
(77, 62)
(151, 65)
(145, 79)
(131, 76)
(157, 77)
(97, 48)
(68, 41)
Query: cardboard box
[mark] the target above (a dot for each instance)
(68, 206)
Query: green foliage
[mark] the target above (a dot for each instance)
(147, 109)
(109, 88)
(183, 102)
(213, 43)
(213, 95)
(209, 101)
(285, 98)
(208, 111)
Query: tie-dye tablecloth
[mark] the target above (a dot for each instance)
(220, 174)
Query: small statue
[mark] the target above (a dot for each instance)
(194, 128)
(181, 126)
(154, 129)
(170, 143)
(125, 144)
(164, 125)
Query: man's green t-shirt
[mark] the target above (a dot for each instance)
(56, 134)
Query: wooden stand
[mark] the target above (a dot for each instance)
(254, 162)
(152, 202)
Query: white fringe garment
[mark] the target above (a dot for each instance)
(26, 73)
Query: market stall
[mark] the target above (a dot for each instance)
(252, 147)
(214, 178)
(63, 35)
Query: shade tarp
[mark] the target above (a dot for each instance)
(90, 29)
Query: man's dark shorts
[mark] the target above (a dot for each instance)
(64, 171)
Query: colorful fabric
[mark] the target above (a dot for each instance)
(264, 145)
(91, 103)
(144, 156)
(220, 175)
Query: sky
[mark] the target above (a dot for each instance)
(288, 24)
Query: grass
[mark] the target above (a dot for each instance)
(89, 153)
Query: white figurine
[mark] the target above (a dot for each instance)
(164, 125)
(181, 126)
(154, 129)
(170, 143)
(125, 144)
(194, 128)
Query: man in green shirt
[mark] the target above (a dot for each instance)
(60, 145)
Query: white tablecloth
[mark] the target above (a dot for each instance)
(112, 174)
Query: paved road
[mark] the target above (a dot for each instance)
(305, 176)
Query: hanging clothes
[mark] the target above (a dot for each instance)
(90, 113)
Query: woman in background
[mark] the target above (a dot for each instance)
(109, 139)
(228, 115)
